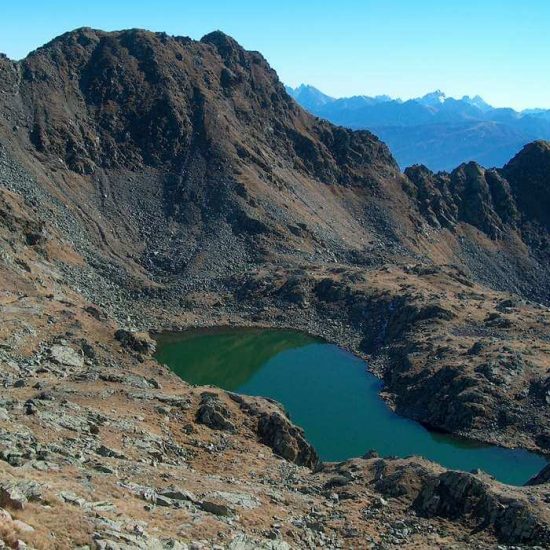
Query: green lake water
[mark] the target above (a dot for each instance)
(330, 394)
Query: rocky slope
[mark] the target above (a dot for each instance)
(154, 182)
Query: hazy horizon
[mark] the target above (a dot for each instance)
(497, 50)
(392, 98)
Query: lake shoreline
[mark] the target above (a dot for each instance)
(279, 364)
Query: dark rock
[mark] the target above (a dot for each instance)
(110, 453)
(88, 350)
(34, 239)
(542, 477)
(95, 313)
(136, 341)
(477, 348)
(45, 396)
(336, 481)
(216, 508)
(370, 454)
(286, 440)
(30, 407)
(212, 412)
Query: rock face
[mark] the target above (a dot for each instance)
(274, 429)
(528, 174)
(286, 440)
(140, 342)
(456, 494)
(213, 413)
(469, 194)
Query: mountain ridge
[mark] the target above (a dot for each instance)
(437, 130)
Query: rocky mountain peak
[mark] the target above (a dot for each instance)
(529, 176)
(227, 47)
(433, 98)
(135, 98)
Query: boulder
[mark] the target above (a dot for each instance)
(12, 497)
(64, 355)
(216, 508)
(212, 412)
(286, 440)
(136, 341)
(21, 526)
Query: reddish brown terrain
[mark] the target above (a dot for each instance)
(151, 182)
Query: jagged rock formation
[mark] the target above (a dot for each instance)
(494, 201)
(154, 182)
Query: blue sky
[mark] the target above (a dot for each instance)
(499, 49)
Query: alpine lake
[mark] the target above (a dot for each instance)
(330, 394)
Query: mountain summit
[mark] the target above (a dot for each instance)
(432, 98)
(308, 96)
(226, 150)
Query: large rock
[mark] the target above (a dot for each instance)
(17, 494)
(212, 412)
(12, 497)
(286, 439)
(64, 355)
(136, 341)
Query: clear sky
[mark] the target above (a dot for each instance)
(499, 49)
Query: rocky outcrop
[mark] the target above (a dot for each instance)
(275, 430)
(286, 440)
(212, 412)
(456, 495)
(140, 342)
(472, 499)
(469, 194)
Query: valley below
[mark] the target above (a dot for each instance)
(154, 184)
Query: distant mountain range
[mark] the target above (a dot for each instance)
(435, 130)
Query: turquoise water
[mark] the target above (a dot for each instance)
(330, 394)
